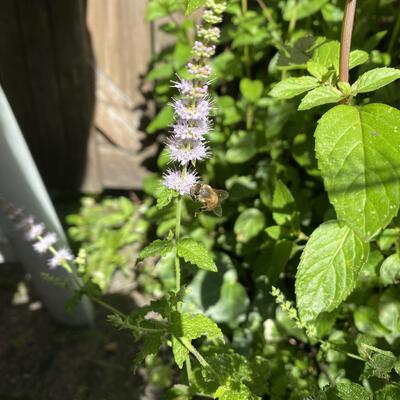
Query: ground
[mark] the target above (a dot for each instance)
(41, 359)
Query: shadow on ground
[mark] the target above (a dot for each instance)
(40, 359)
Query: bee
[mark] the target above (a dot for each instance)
(209, 197)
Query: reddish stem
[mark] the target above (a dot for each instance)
(345, 41)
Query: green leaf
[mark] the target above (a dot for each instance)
(375, 79)
(195, 253)
(251, 90)
(193, 5)
(357, 57)
(358, 152)
(390, 270)
(156, 248)
(162, 120)
(179, 351)
(352, 391)
(151, 345)
(283, 204)
(317, 70)
(189, 326)
(380, 362)
(319, 96)
(302, 8)
(292, 87)
(328, 55)
(249, 224)
(165, 196)
(388, 392)
(328, 269)
(179, 392)
(389, 309)
(242, 147)
(388, 238)
(366, 321)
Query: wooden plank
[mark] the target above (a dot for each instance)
(115, 116)
(76, 82)
(39, 52)
(14, 77)
(122, 42)
(120, 169)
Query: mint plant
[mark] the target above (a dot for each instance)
(291, 293)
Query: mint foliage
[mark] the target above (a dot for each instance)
(251, 90)
(249, 224)
(291, 87)
(319, 96)
(193, 5)
(156, 248)
(284, 210)
(328, 269)
(164, 196)
(375, 79)
(358, 152)
(195, 253)
(352, 391)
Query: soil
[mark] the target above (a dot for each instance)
(41, 359)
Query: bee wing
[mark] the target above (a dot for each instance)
(218, 210)
(222, 194)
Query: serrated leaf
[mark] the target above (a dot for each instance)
(189, 326)
(156, 248)
(375, 79)
(195, 253)
(165, 196)
(366, 321)
(352, 391)
(328, 269)
(379, 362)
(319, 96)
(283, 204)
(388, 392)
(193, 5)
(328, 54)
(249, 224)
(358, 152)
(179, 351)
(151, 345)
(251, 90)
(292, 87)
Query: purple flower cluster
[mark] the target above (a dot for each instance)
(188, 143)
(35, 232)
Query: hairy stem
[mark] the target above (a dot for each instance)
(202, 361)
(177, 235)
(345, 41)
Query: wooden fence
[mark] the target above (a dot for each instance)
(73, 71)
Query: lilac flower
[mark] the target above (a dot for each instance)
(199, 71)
(201, 50)
(187, 150)
(187, 111)
(182, 183)
(62, 255)
(194, 130)
(25, 223)
(44, 244)
(192, 108)
(34, 231)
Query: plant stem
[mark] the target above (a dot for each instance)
(188, 370)
(395, 33)
(202, 361)
(345, 41)
(108, 306)
(249, 116)
(177, 235)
